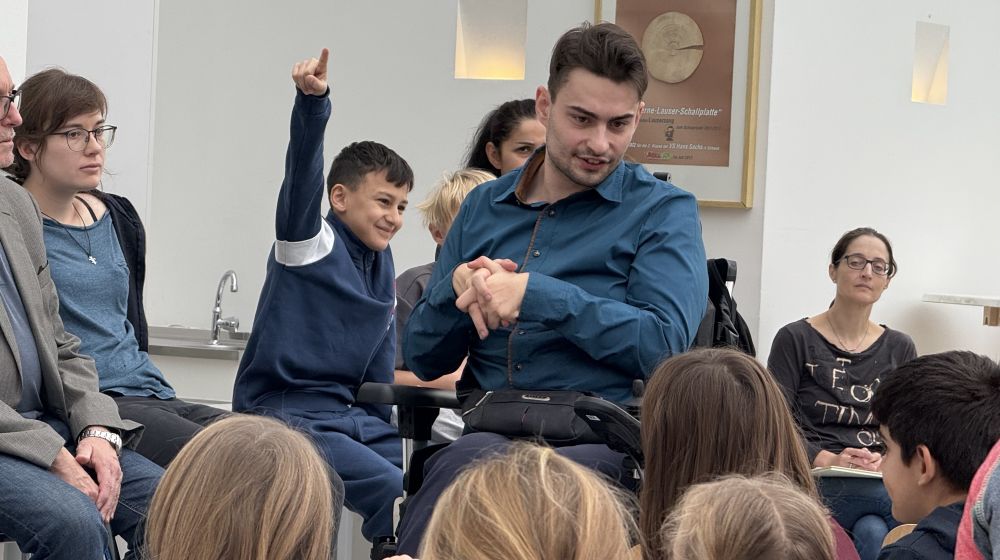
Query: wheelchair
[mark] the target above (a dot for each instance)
(418, 407)
(618, 426)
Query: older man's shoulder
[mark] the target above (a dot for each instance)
(14, 193)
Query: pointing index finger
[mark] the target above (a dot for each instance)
(324, 56)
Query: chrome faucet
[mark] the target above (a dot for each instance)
(219, 323)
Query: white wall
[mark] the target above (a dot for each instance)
(218, 89)
(223, 97)
(847, 147)
(109, 42)
(737, 234)
(222, 104)
(840, 143)
(14, 37)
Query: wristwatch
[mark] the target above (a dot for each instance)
(114, 439)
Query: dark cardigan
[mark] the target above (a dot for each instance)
(132, 238)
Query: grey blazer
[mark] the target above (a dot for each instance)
(70, 387)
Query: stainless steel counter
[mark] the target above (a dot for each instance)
(196, 343)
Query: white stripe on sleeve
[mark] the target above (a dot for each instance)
(301, 253)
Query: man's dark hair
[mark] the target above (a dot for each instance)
(361, 158)
(603, 49)
(949, 402)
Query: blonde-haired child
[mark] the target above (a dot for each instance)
(439, 210)
(738, 518)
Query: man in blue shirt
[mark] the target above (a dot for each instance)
(578, 271)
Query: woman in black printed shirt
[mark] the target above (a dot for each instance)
(829, 366)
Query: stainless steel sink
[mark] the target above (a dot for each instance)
(196, 343)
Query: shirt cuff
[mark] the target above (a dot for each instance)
(546, 299)
(313, 104)
(442, 297)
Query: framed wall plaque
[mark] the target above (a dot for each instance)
(700, 119)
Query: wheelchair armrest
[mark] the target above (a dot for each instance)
(417, 407)
(405, 395)
(619, 429)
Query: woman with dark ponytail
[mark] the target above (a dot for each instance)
(506, 138)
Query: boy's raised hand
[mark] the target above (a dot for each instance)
(310, 75)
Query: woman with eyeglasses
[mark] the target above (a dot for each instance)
(96, 247)
(829, 366)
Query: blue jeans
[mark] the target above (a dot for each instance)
(53, 520)
(863, 509)
(365, 453)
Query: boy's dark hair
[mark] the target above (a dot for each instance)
(361, 158)
(949, 402)
(603, 49)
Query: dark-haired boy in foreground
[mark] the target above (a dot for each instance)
(939, 415)
(325, 320)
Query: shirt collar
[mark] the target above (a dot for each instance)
(610, 188)
(355, 248)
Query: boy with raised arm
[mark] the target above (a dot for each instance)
(325, 319)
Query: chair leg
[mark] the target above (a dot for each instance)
(8, 548)
(383, 547)
(112, 544)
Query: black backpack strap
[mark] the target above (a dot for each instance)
(725, 333)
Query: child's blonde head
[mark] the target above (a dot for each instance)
(738, 518)
(529, 504)
(244, 488)
(441, 207)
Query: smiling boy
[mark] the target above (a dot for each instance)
(325, 321)
(939, 416)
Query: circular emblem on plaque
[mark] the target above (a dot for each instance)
(673, 45)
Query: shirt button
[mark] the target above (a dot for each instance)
(517, 367)
(520, 332)
(552, 213)
(536, 253)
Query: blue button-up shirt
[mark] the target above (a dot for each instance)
(617, 282)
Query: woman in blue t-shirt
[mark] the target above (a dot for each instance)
(96, 248)
(829, 366)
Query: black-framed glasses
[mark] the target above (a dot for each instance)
(858, 262)
(7, 100)
(78, 138)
